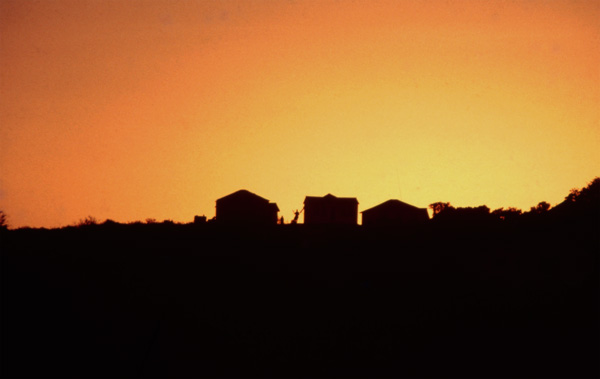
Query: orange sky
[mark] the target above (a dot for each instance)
(135, 109)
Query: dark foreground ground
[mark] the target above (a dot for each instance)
(289, 301)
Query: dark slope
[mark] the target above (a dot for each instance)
(443, 300)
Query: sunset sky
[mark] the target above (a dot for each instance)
(131, 109)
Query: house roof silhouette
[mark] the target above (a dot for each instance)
(245, 207)
(330, 209)
(329, 198)
(246, 195)
(394, 205)
(394, 212)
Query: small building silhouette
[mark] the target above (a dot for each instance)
(330, 210)
(394, 213)
(246, 207)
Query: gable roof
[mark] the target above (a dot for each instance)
(392, 204)
(330, 198)
(243, 194)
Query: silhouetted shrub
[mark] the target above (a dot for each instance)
(462, 214)
(541, 208)
(508, 214)
(88, 221)
(3, 222)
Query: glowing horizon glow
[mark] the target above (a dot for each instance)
(155, 109)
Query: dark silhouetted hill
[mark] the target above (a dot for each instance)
(476, 297)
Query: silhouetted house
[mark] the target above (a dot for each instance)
(245, 207)
(394, 212)
(330, 210)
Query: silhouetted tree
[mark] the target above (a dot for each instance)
(439, 207)
(590, 193)
(446, 212)
(507, 214)
(580, 205)
(541, 208)
(3, 222)
(479, 213)
(573, 195)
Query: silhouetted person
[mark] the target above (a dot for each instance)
(296, 215)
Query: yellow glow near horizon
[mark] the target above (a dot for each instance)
(154, 109)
